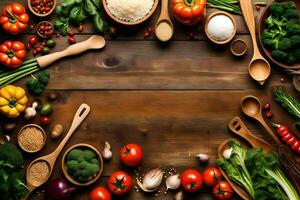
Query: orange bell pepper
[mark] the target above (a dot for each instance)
(189, 12)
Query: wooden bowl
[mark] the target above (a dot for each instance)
(237, 53)
(130, 23)
(42, 15)
(213, 15)
(261, 27)
(64, 167)
(40, 34)
(35, 126)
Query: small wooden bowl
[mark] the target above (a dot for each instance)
(261, 28)
(213, 15)
(37, 29)
(35, 126)
(64, 167)
(130, 23)
(236, 53)
(42, 15)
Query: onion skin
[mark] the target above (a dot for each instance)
(58, 189)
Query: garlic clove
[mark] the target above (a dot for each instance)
(139, 183)
(203, 157)
(173, 182)
(227, 153)
(107, 153)
(151, 181)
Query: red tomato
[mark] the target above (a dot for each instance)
(212, 176)
(131, 154)
(222, 190)
(119, 183)
(100, 193)
(191, 180)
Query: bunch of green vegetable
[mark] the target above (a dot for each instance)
(12, 176)
(291, 104)
(228, 5)
(260, 175)
(282, 32)
(82, 164)
(77, 11)
(37, 85)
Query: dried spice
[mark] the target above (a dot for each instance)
(31, 139)
(39, 171)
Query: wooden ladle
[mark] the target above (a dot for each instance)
(251, 106)
(240, 191)
(164, 28)
(237, 126)
(50, 159)
(259, 68)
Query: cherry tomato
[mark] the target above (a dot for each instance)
(211, 176)
(33, 40)
(45, 121)
(119, 183)
(191, 180)
(222, 190)
(131, 154)
(72, 40)
(100, 193)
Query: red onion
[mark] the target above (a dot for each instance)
(59, 189)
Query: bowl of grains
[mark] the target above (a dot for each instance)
(38, 172)
(31, 138)
(130, 12)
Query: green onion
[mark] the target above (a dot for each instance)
(228, 5)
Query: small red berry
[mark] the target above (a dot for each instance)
(267, 107)
(257, 7)
(72, 40)
(269, 114)
(45, 121)
(146, 34)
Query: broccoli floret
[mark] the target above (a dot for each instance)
(72, 166)
(293, 28)
(277, 9)
(279, 55)
(291, 14)
(94, 161)
(88, 155)
(82, 175)
(83, 164)
(17, 184)
(93, 169)
(75, 154)
(295, 39)
(291, 59)
(10, 156)
(288, 5)
(284, 44)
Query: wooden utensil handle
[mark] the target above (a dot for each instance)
(247, 9)
(165, 9)
(80, 115)
(45, 61)
(243, 131)
(269, 130)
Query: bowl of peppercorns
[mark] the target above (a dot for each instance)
(45, 29)
(41, 8)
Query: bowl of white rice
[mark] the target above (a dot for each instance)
(130, 12)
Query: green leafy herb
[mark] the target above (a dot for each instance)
(228, 5)
(62, 25)
(291, 104)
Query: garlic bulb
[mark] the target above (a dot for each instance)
(173, 182)
(151, 181)
(227, 153)
(179, 195)
(107, 153)
(203, 157)
(30, 112)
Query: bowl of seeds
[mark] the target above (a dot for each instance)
(31, 138)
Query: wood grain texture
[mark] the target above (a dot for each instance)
(175, 100)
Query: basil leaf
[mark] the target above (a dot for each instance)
(90, 8)
(97, 3)
(74, 14)
(82, 14)
(66, 3)
(100, 26)
(59, 10)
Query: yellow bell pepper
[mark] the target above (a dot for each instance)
(12, 101)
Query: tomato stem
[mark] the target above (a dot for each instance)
(10, 53)
(189, 2)
(13, 18)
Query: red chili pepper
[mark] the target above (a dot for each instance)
(288, 137)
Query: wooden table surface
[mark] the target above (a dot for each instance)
(174, 99)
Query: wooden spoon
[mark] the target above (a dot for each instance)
(94, 42)
(259, 68)
(251, 106)
(240, 191)
(237, 126)
(50, 159)
(164, 28)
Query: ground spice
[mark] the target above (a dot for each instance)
(39, 171)
(31, 139)
(238, 47)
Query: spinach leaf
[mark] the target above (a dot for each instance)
(66, 3)
(82, 14)
(90, 8)
(97, 3)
